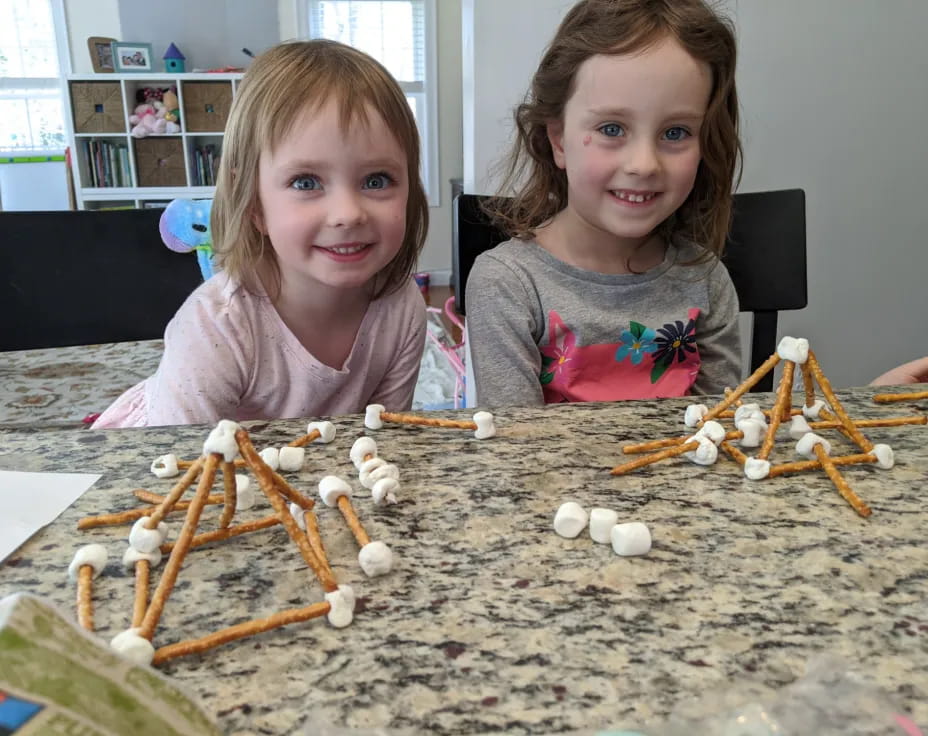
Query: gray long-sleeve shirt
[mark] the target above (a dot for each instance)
(543, 331)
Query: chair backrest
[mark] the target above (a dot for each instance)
(77, 278)
(765, 255)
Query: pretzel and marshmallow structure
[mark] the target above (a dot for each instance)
(483, 425)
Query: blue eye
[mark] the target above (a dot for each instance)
(611, 130)
(306, 183)
(377, 181)
(676, 134)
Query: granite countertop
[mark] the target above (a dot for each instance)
(490, 621)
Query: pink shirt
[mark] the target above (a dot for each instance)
(228, 355)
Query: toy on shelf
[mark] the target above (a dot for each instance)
(184, 227)
(173, 60)
(152, 116)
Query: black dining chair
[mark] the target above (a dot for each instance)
(765, 255)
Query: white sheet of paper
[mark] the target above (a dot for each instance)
(29, 501)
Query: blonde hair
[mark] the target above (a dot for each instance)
(617, 27)
(280, 86)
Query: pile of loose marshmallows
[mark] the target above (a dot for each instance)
(629, 539)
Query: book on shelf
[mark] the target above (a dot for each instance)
(107, 163)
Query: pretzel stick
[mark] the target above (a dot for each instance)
(172, 568)
(289, 492)
(735, 453)
(84, 599)
(808, 384)
(891, 398)
(142, 578)
(766, 412)
(122, 517)
(864, 444)
(266, 480)
(745, 386)
(784, 396)
(219, 535)
(315, 538)
(175, 493)
(843, 488)
(230, 494)
(670, 442)
(802, 465)
(654, 457)
(888, 422)
(354, 523)
(148, 497)
(240, 631)
(389, 416)
(305, 439)
(182, 464)
(829, 417)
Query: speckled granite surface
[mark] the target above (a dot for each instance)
(491, 622)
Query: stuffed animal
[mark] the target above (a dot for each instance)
(184, 227)
(149, 119)
(171, 107)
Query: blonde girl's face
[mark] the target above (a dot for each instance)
(333, 202)
(629, 139)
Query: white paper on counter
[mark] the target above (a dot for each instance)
(29, 501)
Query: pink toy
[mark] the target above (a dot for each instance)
(149, 119)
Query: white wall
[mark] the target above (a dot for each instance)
(833, 98)
(86, 18)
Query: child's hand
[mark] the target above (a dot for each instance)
(915, 371)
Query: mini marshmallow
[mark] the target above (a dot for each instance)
(326, 431)
(713, 431)
(756, 469)
(884, 455)
(132, 555)
(331, 487)
(370, 475)
(813, 412)
(133, 647)
(384, 490)
(90, 554)
(753, 432)
(296, 511)
(798, 426)
(222, 440)
(749, 411)
(706, 454)
(165, 466)
(795, 349)
(694, 414)
(147, 540)
(806, 445)
(601, 523)
(372, 414)
(362, 447)
(271, 457)
(341, 606)
(368, 466)
(630, 539)
(291, 458)
(244, 497)
(571, 519)
(485, 426)
(375, 559)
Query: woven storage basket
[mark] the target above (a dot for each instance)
(206, 106)
(160, 162)
(97, 107)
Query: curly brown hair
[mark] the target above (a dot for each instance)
(279, 87)
(617, 27)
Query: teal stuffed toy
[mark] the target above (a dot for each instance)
(184, 227)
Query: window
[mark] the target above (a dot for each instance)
(400, 34)
(31, 115)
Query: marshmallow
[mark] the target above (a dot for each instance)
(795, 349)
(370, 473)
(798, 426)
(753, 432)
(222, 440)
(341, 606)
(706, 454)
(570, 519)
(375, 559)
(372, 414)
(813, 412)
(806, 445)
(749, 411)
(90, 554)
(601, 523)
(362, 447)
(713, 431)
(291, 458)
(133, 647)
(384, 490)
(296, 511)
(630, 539)
(132, 555)
(756, 469)
(884, 455)
(271, 457)
(326, 431)
(485, 426)
(147, 540)
(331, 487)
(165, 466)
(244, 496)
(694, 414)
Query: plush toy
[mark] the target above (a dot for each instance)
(149, 119)
(171, 107)
(184, 227)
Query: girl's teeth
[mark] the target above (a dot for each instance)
(347, 251)
(634, 197)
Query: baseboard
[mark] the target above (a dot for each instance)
(440, 277)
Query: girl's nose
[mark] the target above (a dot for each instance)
(345, 209)
(641, 158)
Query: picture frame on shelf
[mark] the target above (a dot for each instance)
(101, 54)
(132, 56)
